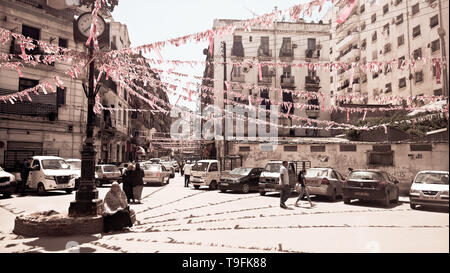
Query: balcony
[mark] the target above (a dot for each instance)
(240, 78)
(312, 54)
(287, 82)
(312, 83)
(16, 51)
(264, 54)
(312, 113)
(350, 39)
(265, 80)
(237, 51)
(31, 109)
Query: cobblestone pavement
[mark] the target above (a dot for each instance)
(173, 218)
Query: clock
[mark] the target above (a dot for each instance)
(83, 25)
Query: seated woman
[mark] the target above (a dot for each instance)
(117, 214)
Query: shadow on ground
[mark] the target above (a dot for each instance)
(54, 244)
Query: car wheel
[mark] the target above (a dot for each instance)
(397, 198)
(68, 191)
(168, 180)
(7, 194)
(245, 188)
(413, 206)
(387, 200)
(332, 198)
(223, 190)
(196, 187)
(213, 185)
(262, 193)
(347, 201)
(41, 189)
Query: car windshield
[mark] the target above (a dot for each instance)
(152, 167)
(273, 167)
(432, 178)
(75, 165)
(54, 164)
(201, 167)
(241, 171)
(316, 173)
(110, 169)
(155, 160)
(364, 175)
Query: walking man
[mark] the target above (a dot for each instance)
(303, 189)
(24, 175)
(284, 184)
(187, 173)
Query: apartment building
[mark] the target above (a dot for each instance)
(285, 43)
(388, 30)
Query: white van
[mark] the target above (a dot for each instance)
(206, 173)
(50, 173)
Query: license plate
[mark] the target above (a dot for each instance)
(362, 193)
(224, 184)
(429, 197)
(63, 186)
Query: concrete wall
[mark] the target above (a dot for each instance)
(406, 162)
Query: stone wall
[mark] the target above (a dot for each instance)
(407, 158)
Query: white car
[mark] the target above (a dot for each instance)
(107, 173)
(206, 173)
(429, 188)
(51, 173)
(75, 164)
(8, 183)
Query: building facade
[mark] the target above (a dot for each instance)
(389, 30)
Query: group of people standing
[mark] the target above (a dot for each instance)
(133, 183)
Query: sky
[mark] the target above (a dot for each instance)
(160, 20)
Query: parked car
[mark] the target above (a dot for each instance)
(270, 177)
(51, 173)
(324, 182)
(371, 185)
(169, 166)
(8, 183)
(206, 173)
(75, 164)
(155, 160)
(156, 173)
(240, 179)
(77, 181)
(107, 174)
(429, 188)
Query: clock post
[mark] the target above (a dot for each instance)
(86, 201)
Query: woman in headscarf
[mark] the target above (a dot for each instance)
(117, 214)
(138, 183)
(128, 183)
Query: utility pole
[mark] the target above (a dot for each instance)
(224, 54)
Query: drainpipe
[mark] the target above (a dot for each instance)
(409, 47)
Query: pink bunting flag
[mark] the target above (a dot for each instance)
(346, 13)
(260, 72)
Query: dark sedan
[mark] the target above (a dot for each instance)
(371, 185)
(240, 179)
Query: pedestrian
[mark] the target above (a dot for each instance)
(26, 168)
(116, 212)
(285, 191)
(303, 189)
(127, 183)
(187, 173)
(138, 183)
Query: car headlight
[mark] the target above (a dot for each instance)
(414, 192)
(49, 177)
(12, 178)
(444, 193)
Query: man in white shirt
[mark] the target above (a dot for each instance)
(187, 173)
(284, 184)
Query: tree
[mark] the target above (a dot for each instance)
(110, 4)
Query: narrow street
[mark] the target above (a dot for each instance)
(177, 219)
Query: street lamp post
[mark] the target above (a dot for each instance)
(86, 201)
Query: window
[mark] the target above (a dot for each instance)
(385, 9)
(312, 44)
(387, 69)
(287, 97)
(60, 96)
(363, 44)
(374, 36)
(435, 45)
(25, 83)
(348, 148)
(364, 78)
(286, 48)
(244, 149)
(416, 31)
(375, 75)
(317, 148)
(399, 19)
(264, 47)
(362, 8)
(363, 26)
(417, 53)
(238, 49)
(398, 2)
(402, 82)
(415, 9)
(33, 33)
(401, 40)
(434, 21)
(331, 79)
(420, 147)
(388, 88)
(213, 167)
(418, 77)
(63, 42)
(438, 92)
(290, 148)
(386, 29)
(375, 55)
(387, 48)
(374, 18)
(401, 61)
(125, 117)
(381, 158)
